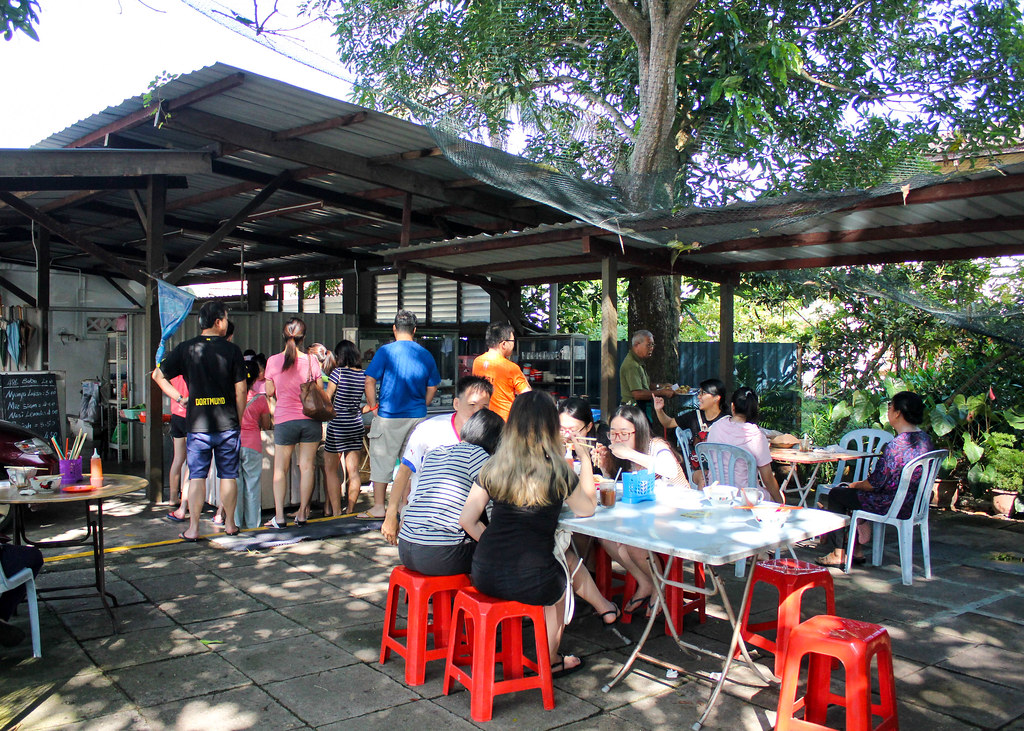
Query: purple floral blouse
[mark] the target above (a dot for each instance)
(885, 478)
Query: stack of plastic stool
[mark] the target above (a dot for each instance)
(792, 578)
(482, 615)
(853, 644)
(421, 591)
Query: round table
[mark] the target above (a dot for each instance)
(113, 486)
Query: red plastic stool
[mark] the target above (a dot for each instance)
(792, 578)
(679, 601)
(854, 644)
(420, 590)
(483, 614)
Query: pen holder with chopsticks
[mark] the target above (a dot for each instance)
(70, 471)
(637, 487)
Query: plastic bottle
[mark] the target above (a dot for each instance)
(96, 469)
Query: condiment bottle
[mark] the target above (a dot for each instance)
(96, 469)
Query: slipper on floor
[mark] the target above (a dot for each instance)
(174, 518)
(636, 604)
(834, 564)
(235, 532)
(272, 523)
(185, 538)
(365, 515)
(559, 670)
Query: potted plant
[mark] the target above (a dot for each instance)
(1004, 471)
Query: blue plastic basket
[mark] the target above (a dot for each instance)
(637, 487)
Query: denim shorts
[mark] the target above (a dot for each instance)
(222, 446)
(298, 431)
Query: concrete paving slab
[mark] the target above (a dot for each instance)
(225, 602)
(922, 644)
(344, 611)
(1002, 667)
(983, 630)
(339, 694)
(89, 625)
(963, 697)
(87, 695)
(246, 578)
(145, 646)
(1011, 607)
(144, 566)
(122, 590)
(524, 709)
(417, 714)
(294, 592)
(247, 708)
(251, 628)
(124, 721)
(162, 588)
(287, 658)
(180, 677)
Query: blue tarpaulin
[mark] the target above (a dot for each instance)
(175, 304)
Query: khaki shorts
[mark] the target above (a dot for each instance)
(387, 438)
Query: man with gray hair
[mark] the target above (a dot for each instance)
(634, 383)
(408, 380)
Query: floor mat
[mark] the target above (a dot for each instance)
(314, 530)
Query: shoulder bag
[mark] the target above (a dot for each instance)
(315, 405)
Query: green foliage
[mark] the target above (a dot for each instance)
(19, 15)
(1006, 462)
(770, 96)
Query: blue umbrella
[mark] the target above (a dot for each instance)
(175, 304)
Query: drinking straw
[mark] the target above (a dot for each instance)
(617, 475)
(57, 447)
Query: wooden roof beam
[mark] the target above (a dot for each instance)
(322, 126)
(880, 233)
(143, 115)
(405, 156)
(261, 140)
(959, 253)
(558, 235)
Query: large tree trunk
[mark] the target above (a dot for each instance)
(655, 27)
(654, 306)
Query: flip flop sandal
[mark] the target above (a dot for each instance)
(185, 538)
(272, 523)
(616, 613)
(365, 515)
(559, 670)
(235, 532)
(175, 519)
(636, 604)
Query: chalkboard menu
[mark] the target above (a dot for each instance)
(30, 401)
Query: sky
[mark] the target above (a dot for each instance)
(96, 53)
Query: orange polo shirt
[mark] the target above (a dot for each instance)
(506, 378)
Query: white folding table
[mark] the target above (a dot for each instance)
(681, 525)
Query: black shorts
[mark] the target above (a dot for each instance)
(178, 430)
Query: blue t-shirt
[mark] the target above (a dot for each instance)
(403, 370)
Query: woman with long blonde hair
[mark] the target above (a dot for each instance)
(528, 479)
(286, 372)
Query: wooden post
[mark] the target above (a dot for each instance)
(43, 298)
(553, 308)
(254, 291)
(726, 343)
(609, 335)
(322, 289)
(350, 294)
(156, 204)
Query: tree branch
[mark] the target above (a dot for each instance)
(632, 21)
(843, 18)
(616, 116)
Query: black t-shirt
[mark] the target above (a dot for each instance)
(211, 367)
(697, 434)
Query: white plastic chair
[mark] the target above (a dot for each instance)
(928, 464)
(719, 464)
(26, 577)
(684, 437)
(858, 440)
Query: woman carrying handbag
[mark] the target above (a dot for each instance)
(286, 374)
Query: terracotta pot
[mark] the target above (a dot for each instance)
(1002, 502)
(945, 494)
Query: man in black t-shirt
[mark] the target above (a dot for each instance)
(215, 373)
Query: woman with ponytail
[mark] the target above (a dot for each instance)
(286, 372)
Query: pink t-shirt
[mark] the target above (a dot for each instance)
(288, 385)
(179, 383)
(745, 435)
(250, 435)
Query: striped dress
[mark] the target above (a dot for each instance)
(345, 431)
(432, 516)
